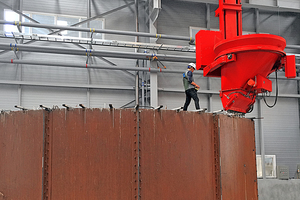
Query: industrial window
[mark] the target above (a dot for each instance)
(195, 30)
(270, 166)
(52, 19)
(10, 15)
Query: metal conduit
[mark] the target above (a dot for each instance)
(117, 32)
(91, 52)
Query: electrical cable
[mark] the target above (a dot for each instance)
(276, 96)
(251, 109)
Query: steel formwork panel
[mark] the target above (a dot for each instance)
(92, 154)
(21, 149)
(238, 158)
(177, 155)
(126, 154)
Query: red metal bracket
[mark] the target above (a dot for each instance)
(205, 42)
(289, 63)
(210, 70)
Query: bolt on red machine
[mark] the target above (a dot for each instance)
(243, 62)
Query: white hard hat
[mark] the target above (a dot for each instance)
(192, 65)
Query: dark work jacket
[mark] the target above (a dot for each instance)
(188, 79)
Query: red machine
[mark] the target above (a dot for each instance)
(243, 62)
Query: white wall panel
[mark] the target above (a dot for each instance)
(177, 17)
(54, 74)
(33, 96)
(118, 98)
(216, 103)
(9, 72)
(172, 100)
(8, 97)
(281, 130)
(74, 7)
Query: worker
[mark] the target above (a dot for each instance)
(190, 87)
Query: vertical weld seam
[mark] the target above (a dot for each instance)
(47, 156)
(50, 152)
(219, 155)
(138, 153)
(47, 152)
(46, 146)
(216, 158)
(43, 157)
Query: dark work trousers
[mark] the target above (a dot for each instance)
(191, 94)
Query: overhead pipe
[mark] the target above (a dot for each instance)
(102, 53)
(29, 83)
(91, 66)
(117, 32)
(292, 47)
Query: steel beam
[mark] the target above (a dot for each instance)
(261, 137)
(276, 9)
(153, 89)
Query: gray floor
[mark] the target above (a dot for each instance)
(274, 189)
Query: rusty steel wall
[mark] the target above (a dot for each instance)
(177, 155)
(114, 154)
(21, 151)
(92, 154)
(238, 158)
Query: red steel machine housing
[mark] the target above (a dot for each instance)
(243, 62)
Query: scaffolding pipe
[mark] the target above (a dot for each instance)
(117, 32)
(91, 52)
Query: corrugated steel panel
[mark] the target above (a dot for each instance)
(281, 132)
(33, 96)
(237, 153)
(21, 147)
(52, 74)
(177, 155)
(102, 98)
(67, 7)
(9, 93)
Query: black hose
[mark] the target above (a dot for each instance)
(276, 96)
